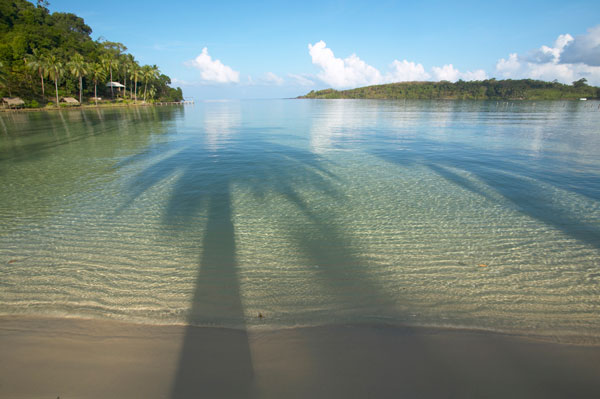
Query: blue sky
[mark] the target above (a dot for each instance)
(241, 49)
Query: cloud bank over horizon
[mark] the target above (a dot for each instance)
(354, 72)
(569, 59)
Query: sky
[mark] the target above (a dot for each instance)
(274, 49)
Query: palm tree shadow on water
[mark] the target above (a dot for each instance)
(204, 180)
(218, 363)
(207, 368)
(221, 364)
(524, 185)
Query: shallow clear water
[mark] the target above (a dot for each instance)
(308, 212)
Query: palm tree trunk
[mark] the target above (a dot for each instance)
(135, 89)
(112, 93)
(95, 92)
(80, 88)
(56, 88)
(145, 87)
(125, 88)
(42, 76)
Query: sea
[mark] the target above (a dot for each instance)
(260, 214)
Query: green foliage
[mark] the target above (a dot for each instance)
(580, 83)
(172, 95)
(36, 44)
(491, 89)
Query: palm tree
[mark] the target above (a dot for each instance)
(37, 63)
(115, 65)
(55, 70)
(2, 75)
(149, 73)
(4, 78)
(97, 73)
(151, 92)
(126, 62)
(135, 74)
(109, 63)
(78, 68)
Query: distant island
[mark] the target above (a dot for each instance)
(49, 59)
(491, 89)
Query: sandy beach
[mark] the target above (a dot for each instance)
(73, 358)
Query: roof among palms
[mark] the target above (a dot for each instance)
(13, 101)
(114, 84)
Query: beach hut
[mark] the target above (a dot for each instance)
(69, 101)
(13, 102)
(115, 85)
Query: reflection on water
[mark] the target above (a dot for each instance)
(219, 126)
(307, 212)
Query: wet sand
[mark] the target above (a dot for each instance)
(74, 358)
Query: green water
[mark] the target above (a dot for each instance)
(308, 212)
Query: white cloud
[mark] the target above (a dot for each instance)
(478, 74)
(584, 49)
(271, 78)
(547, 54)
(516, 68)
(354, 72)
(447, 72)
(510, 66)
(451, 74)
(213, 70)
(549, 63)
(339, 73)
(405, 71)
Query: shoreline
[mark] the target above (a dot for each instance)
(71, 357)
(89, 106)
(265, 327)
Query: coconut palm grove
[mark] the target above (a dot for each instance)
(46, 56)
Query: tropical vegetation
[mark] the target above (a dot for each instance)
(491, 89)
(45, 56)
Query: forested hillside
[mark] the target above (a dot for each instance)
(491, 89)
(45, 56)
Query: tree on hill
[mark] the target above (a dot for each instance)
(97, 73)
(30, 32)
(135, 74)
(37, 63)
(149, 73)
(55, 70)
(78, 68)
(2, 75)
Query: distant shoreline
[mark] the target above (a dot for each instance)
(88, 106)
(491, 89)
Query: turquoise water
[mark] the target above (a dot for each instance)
(308, 212)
